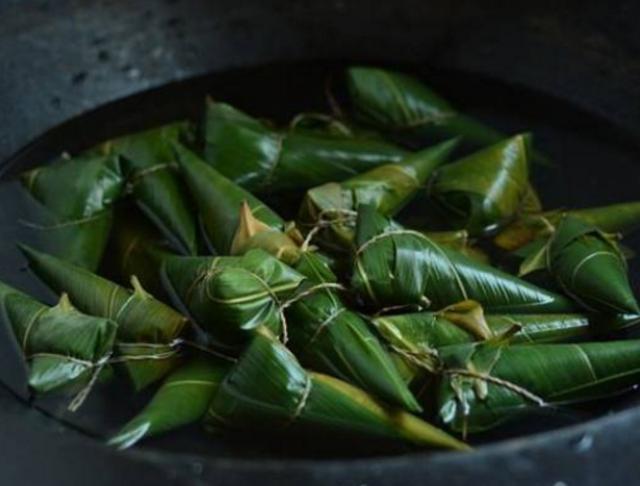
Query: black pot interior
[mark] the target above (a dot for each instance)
(593, 165)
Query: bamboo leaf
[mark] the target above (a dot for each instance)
(253, 233)
(326, 336)
(324, 124)
(518, 377)
(398, 267)
(268, 391)
(230, 297)
(459, 241)
(615, 218)
(287, 246)
(535, 257)
(150, 161)
(389, 188)
(76, 221)
(525, 230)
(136, 248)
(219, 201)
(395, 102)
(182, 399)
(623, 218)
(590, 268)
(488, 188)
(63, 348)
(469, 316)
(320, 123)
(260, 158)
(316, 267)
(147, 327)
(416, 338)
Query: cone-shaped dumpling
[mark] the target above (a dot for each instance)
(399, 103)
(260, 158)
(590, 268)
(326, 336)
(219, 201)
(76, 218)
(63, 348)
(389, 188)
(623, 218)
(433, 330)
(395, 267)
(182, 399)
(149, 160)
(418, 337)
(484, 385)
(232, 296)
(268, 390)
(146, 326)
(487, 188)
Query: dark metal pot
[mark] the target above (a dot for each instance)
(61, 59)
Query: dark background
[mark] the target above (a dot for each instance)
(61, 59)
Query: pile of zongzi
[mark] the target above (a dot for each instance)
(173, 272)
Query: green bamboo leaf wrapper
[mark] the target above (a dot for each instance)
(230, 297)
(417, 337)
(623, 218)
(6, 290)
(260, 158)
(590, 268)
(324, 124)
(63, 348)
(326, 336)
(137, 248)
(389, 188)
(287, 247)
(268, 391)
(488, 188)
(559, 374)
(316, 267)
(182, 399)
(459, 241)
(150, 161)
(219, 201)
(398, 267)
(529, 229)
(254, 234)
(77, 195)
(395, 102)
(146, 326)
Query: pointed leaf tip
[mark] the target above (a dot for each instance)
(29, 253)
(139, 289)
(64, 304)
(248, 227)
(426, 161)
(469, 315)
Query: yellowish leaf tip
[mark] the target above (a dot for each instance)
(248, 226)
(65, 304)
(138, 289)
(469, 315)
